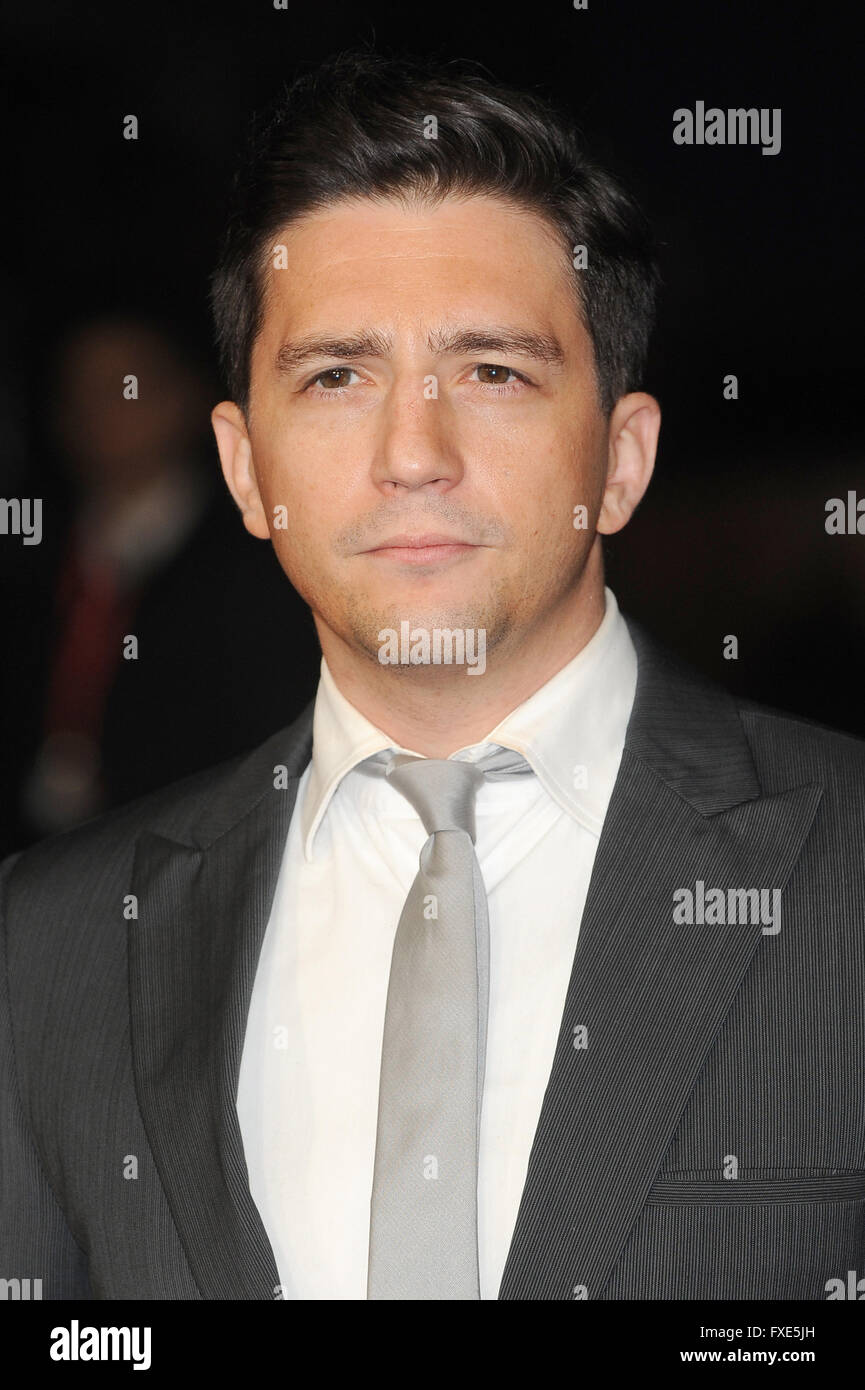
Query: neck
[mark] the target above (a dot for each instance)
(434, 710)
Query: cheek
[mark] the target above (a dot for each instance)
(555, 516)
(302, 556)
(306, 509)
(295, 491)
(545, 499)
(300, 538)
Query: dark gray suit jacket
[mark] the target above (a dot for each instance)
(711, 1049)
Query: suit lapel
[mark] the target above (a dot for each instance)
(651, 994)
(203, 907)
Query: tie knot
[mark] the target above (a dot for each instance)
(442, 790)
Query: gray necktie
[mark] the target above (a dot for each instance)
(423, 1213)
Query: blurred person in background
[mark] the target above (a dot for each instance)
(150, 541)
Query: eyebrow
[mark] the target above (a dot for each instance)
(541, 347)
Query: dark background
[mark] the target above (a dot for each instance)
(762, 268)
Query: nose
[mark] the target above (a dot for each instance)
(415, 446)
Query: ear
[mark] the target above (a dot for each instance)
(633, 442)
(235, 455)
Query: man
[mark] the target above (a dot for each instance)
(149, 530)
(526, 965)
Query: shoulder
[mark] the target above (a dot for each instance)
(93, 861)
(699, 735)
(62, 900)
(780, 740)
(790, 751)
(83, 848)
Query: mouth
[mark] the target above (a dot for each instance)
(420, 550)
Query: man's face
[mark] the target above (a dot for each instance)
(430, 430)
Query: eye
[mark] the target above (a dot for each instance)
(499, 373)
(329, 385)
(333, 380)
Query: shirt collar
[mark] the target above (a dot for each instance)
(571, 731)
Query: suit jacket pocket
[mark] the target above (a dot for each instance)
(758, 1187)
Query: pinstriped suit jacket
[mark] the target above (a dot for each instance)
(708, 1142)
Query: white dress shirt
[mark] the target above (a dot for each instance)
(308, 1090)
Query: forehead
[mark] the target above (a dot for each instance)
(463, 257)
